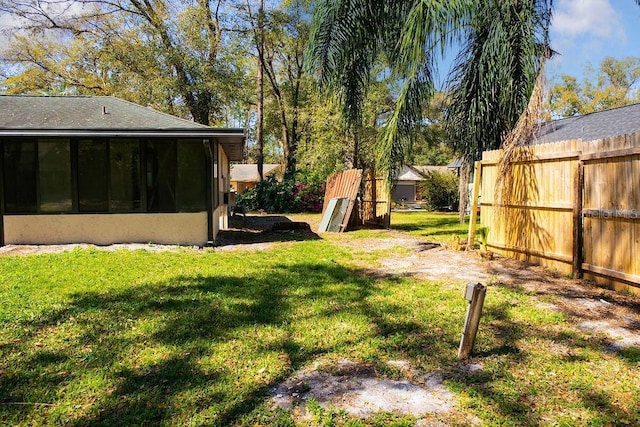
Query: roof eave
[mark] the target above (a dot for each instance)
(231, 139)
(112, 133)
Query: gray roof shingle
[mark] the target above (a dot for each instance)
(83, 112)
(103, 116)
(614, 122)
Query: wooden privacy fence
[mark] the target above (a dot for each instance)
(573, 206)
(375, 209)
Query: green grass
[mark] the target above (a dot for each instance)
(92, 337)
(435, 226)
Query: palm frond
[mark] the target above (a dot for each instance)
(496, 71)
(503, 45)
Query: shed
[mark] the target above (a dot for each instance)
(84, 169)
(405, 184)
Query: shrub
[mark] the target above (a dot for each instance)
(302, 193)
(440, 191)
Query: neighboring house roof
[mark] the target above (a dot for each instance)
(408, 173)
(416, 172)
(426, 169)
(589, 127)
(105, 116)
(249, 172)
(456, 164)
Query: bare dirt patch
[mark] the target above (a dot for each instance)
(592, 309)
(53, 249)
(355, 388)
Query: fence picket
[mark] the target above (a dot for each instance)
(532, 221)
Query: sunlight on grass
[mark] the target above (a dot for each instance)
(91, 337)
(435, 226)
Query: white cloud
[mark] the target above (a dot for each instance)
(578, 18)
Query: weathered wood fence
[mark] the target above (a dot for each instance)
(370, 197)
(573, 206)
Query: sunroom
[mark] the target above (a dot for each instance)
(102, 170)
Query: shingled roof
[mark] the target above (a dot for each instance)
(103, 116)
(83, 112)
(249, 172)
(589, 127)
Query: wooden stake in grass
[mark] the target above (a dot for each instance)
(474, 293)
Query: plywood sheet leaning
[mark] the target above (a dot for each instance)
(345, 184)
(333, 217)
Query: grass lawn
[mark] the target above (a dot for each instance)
(435, 226)
(92, 337)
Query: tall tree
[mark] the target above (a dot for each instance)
(616, 82)
(259, 37)
(284, 31)
(183, 45)
(503, 46)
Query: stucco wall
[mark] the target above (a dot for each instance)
(104, 229)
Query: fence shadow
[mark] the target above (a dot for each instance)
(518, 197)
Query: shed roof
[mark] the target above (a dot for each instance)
(103, 116)
(457, 163)
(249, 172)
(588, 127)
(409, 173)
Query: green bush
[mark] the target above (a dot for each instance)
(440, 191)
(302, 193)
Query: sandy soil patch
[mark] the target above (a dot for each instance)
(355, 388)
(53, 249)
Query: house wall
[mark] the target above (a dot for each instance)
(105, 229)
(242, 186)
(222, 211)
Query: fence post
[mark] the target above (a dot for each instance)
(474, 293)
(578, 189)
(477, 175)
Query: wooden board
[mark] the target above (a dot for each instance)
(343, 185)
(334, 216)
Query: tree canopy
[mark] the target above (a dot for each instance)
(347, 83)
(168, 54)
(502, 46)
(615, 83)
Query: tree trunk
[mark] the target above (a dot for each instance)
(260, 124)
(294, 139)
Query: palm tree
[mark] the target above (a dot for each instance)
(503, 45)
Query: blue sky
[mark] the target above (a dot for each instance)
(582, 31)
(586, 31)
